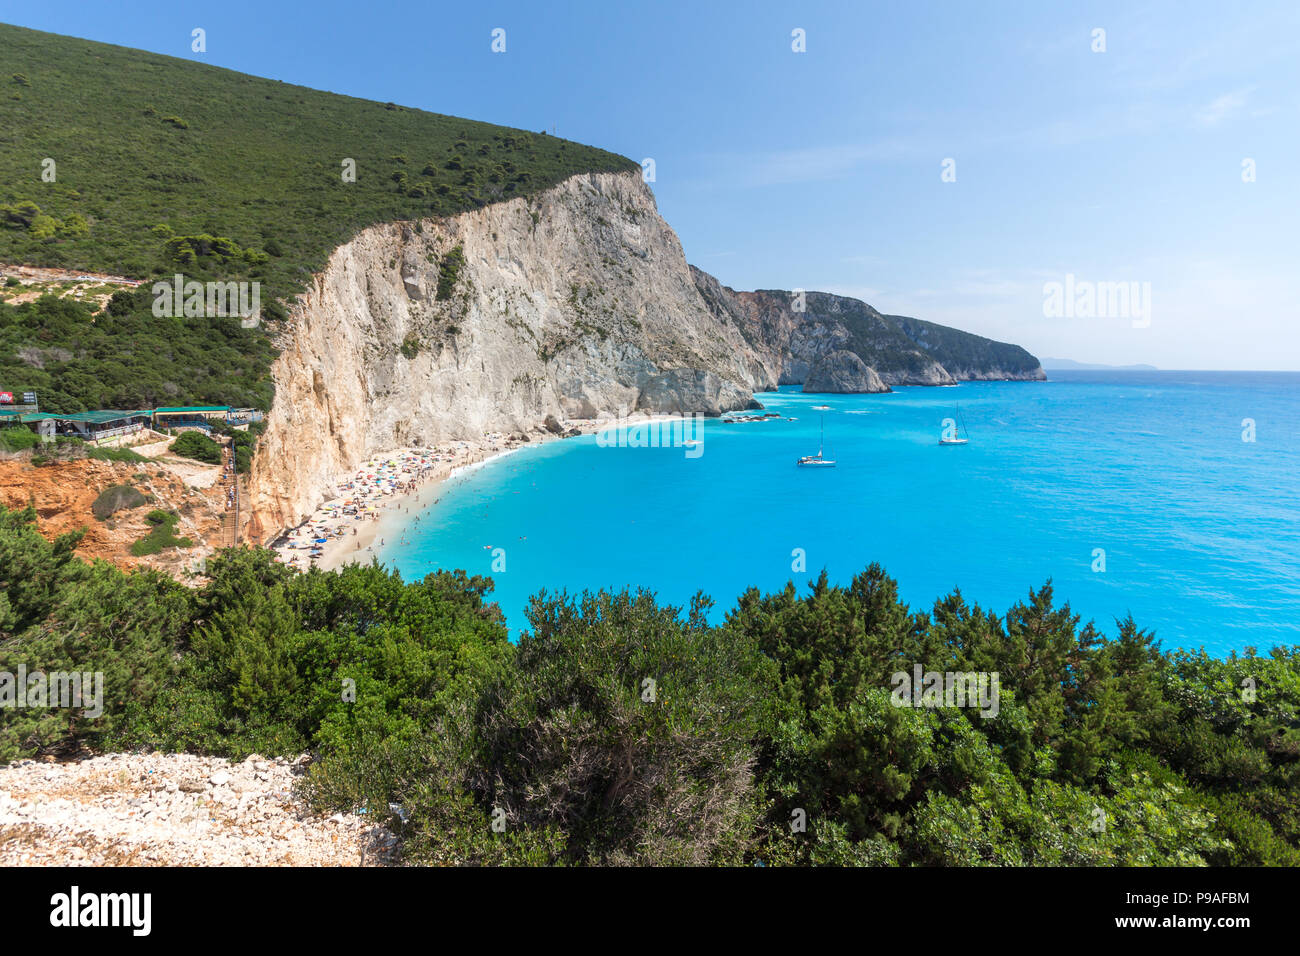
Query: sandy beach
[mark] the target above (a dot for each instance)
(386, 491)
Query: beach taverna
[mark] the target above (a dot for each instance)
(94, 425)
(189, 416)
(109, 423)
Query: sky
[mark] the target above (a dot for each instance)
(959, 162)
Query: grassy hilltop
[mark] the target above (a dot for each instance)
(150, 148)
(164, 165)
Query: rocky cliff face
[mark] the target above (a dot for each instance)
(799, 340)
(577, 303)
(842, 371)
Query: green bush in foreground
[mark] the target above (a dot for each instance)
(613, 750)
(58, 613)
(620, 730)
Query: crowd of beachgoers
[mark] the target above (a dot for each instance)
(345, 522)
(348, 526)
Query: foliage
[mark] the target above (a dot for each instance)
(449, 271)
(625, 731)
(253, 160)
(196, 445)
(128, 358)
(60, 614)
(18, 438)
(242, 440)
(955, 349)
(115, 454)
(896, 344)
(161, 536)
(116, 498)
(562, 751)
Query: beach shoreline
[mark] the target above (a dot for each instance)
(389, 489)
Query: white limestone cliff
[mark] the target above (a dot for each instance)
(576, 303)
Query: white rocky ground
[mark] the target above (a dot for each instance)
(174, 810)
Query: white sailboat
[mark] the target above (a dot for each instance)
(959, 427)
(818, 460)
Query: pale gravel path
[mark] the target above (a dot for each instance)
(173, 809)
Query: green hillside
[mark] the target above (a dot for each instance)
(165, 165)
(955, 349)
(893, 345)
(151, 147)
(875, 340)
(903, 345)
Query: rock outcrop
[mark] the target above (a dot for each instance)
(157, 809)
(843, 371)
(576, 303)
(793, 332)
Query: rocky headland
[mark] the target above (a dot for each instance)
(575, 304)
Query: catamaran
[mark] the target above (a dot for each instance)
(959, 427)
(818, 460)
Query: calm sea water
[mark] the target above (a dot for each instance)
(1200, 529)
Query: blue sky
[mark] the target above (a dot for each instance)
(822, 169)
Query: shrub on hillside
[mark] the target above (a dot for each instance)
(171, 361)
(243, 441)
(18, 438)
(63, 615)
(449, 271)
(116, 498)
(161, 536)
(197, 446)
(115, 454)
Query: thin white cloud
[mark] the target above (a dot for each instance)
(1221, 108)
(810, 164)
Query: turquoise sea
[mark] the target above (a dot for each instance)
(1200, 529)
